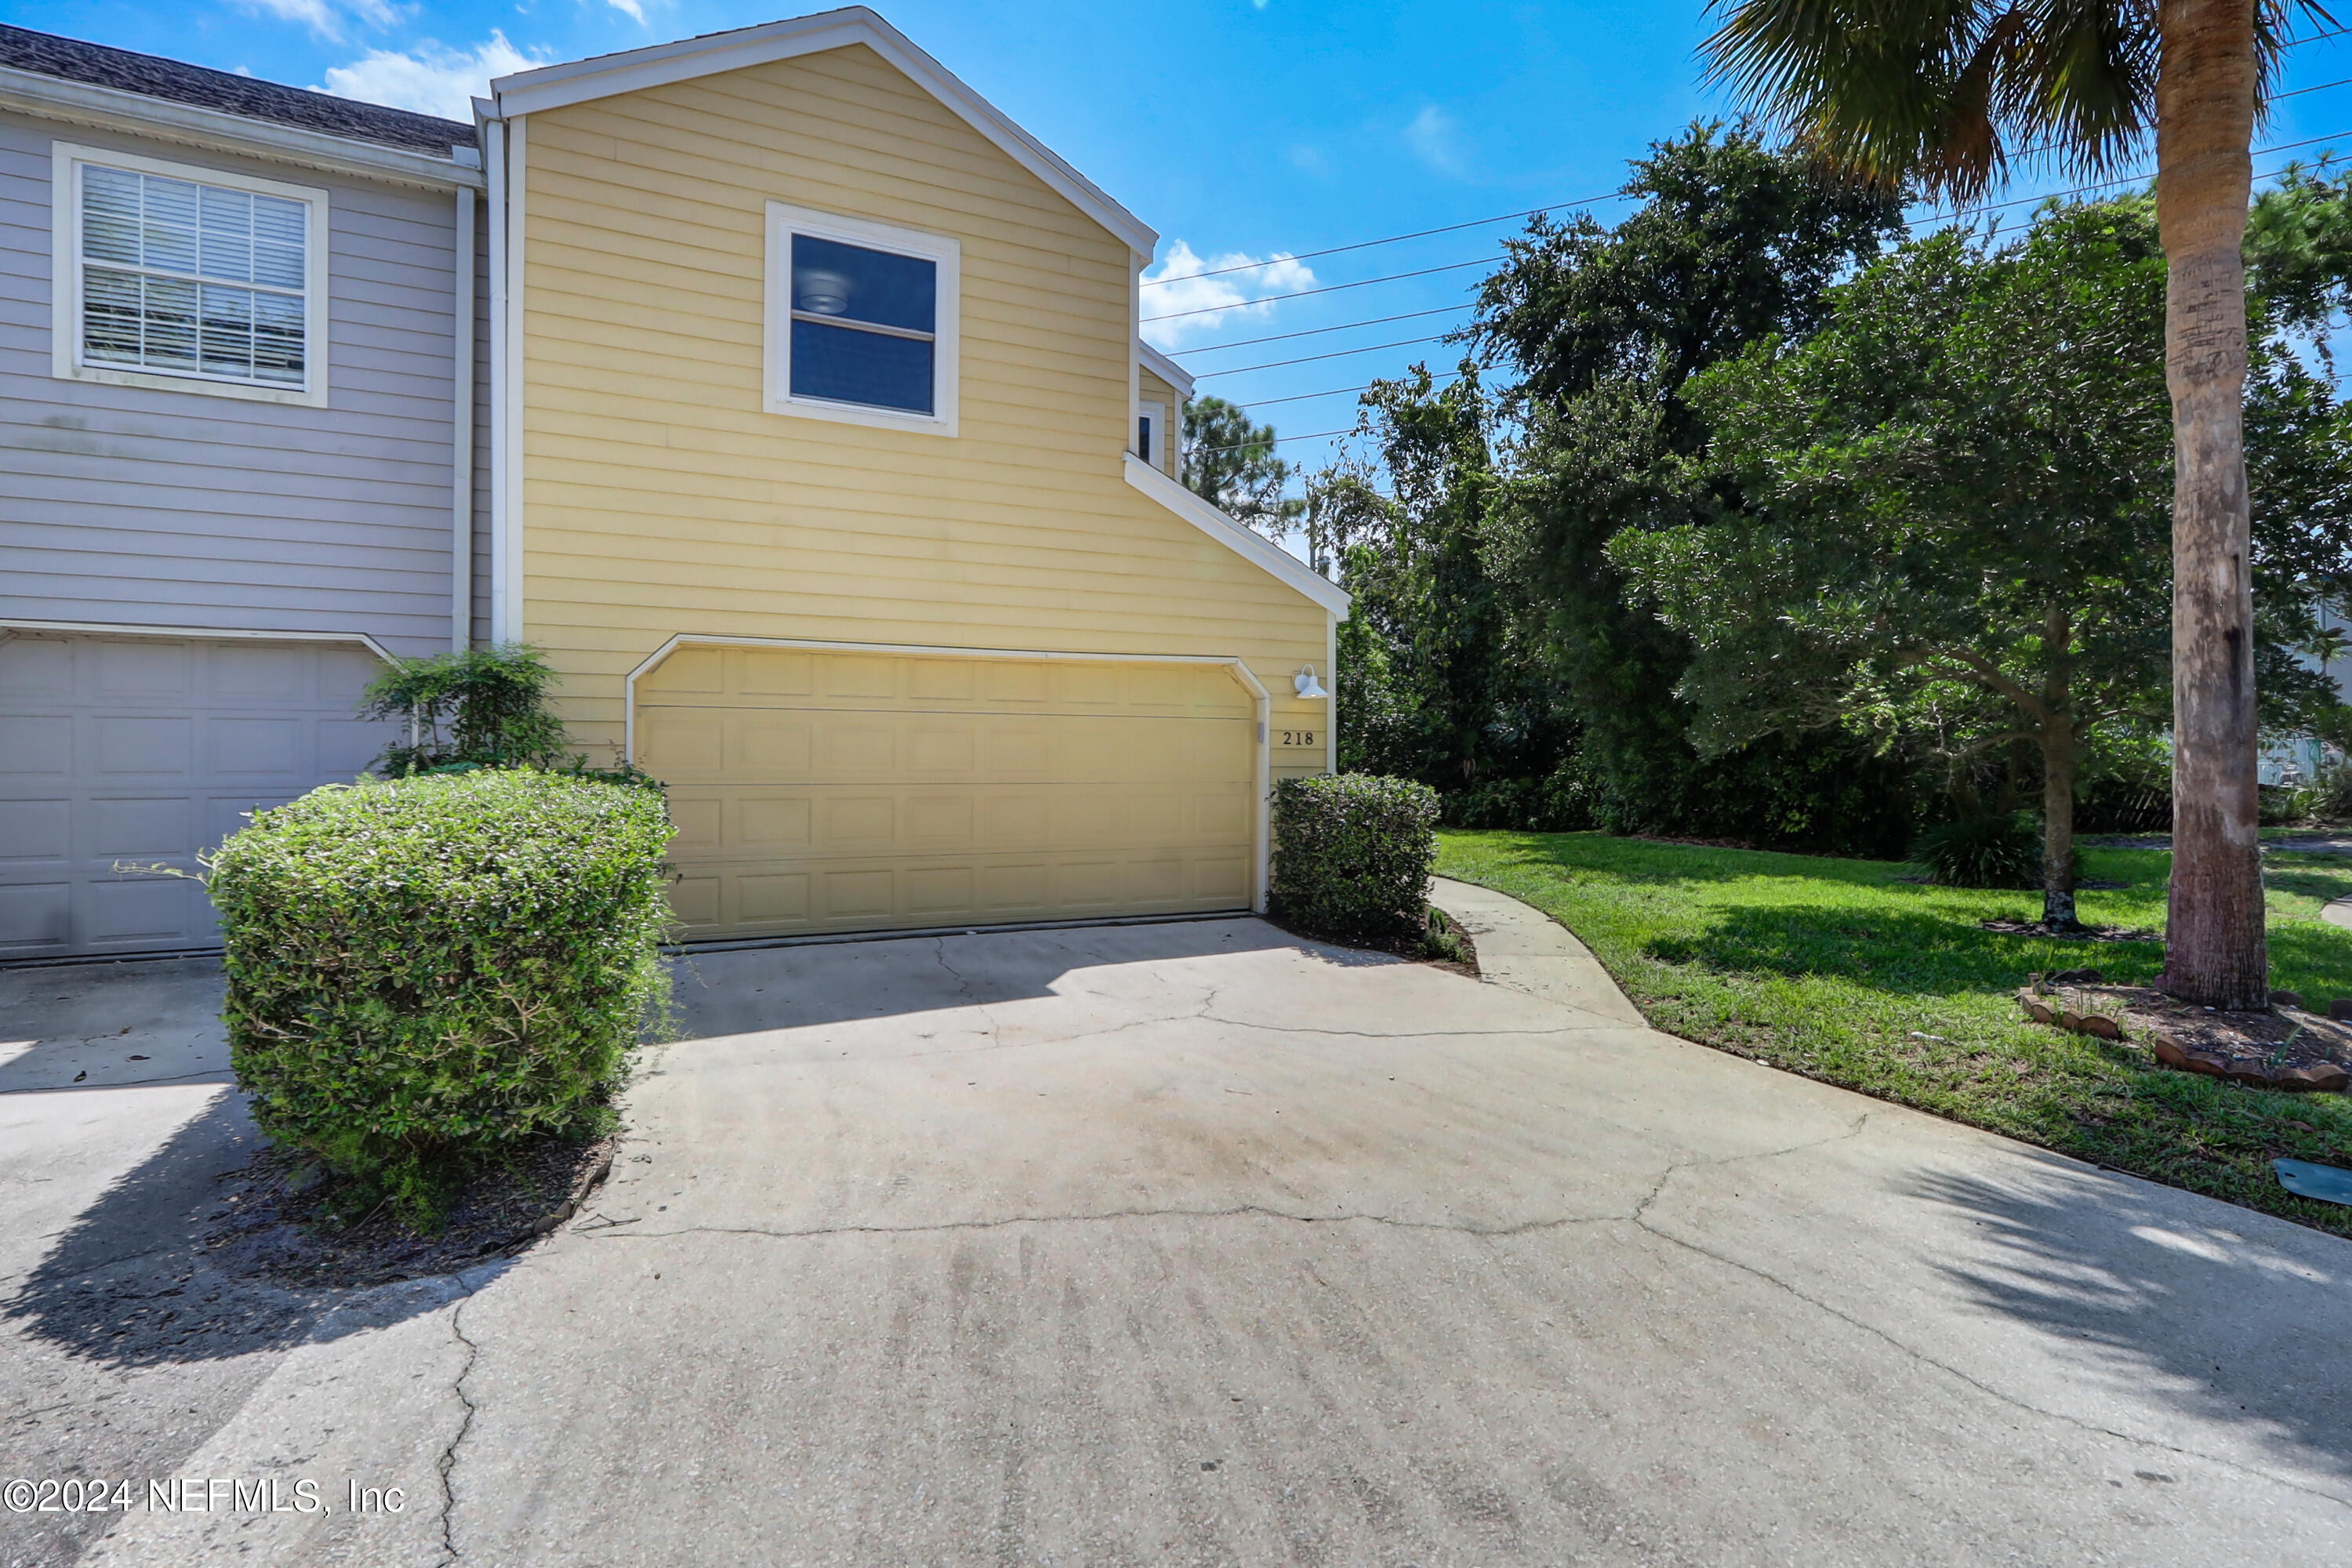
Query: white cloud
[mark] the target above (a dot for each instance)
(1183, 290)
(327, 18)
(434, 79)
(629, 8)
(1436, 138)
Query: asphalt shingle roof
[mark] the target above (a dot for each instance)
(96, 65)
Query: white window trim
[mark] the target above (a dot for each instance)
(1155, 411)
(66, 291)
(783, 222)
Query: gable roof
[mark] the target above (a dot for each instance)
(553, 87)
(1166, 369)
(152, 76)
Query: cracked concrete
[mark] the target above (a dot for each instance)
(1196, 1242)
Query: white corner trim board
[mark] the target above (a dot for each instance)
(1262, 830)
(1254, 547)
(634, 71)
(508, 141)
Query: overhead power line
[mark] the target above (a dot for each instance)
(1387, 239)
(1609, 196)
(1318, 332)
(1489, 260)
(1310, 359)
(1327, 288)
(1445, 380)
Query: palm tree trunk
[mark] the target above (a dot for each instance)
(2215, 952)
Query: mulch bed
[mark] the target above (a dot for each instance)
(2285, 1047)
(1415, 952)
(279, 1219)
(2071, 933)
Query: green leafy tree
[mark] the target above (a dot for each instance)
(1451, 694)
(1229, 460)
(1943, 97)
(1732, 242)
(1960, 501)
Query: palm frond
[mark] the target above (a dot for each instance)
(1944, 96)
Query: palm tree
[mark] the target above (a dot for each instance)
(1940, 96)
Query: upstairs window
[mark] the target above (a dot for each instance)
(172, 275)
(862, 322)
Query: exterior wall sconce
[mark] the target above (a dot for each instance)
(1306, 685)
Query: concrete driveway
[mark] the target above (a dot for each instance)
(1193, 1243)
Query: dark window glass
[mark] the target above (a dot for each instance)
(830, 278)
(1143, 437)
(842, 364)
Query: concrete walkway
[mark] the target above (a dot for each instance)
(1197, 1243)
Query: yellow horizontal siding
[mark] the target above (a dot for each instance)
(661, 499)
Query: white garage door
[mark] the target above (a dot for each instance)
(145, 750)
(820, 791)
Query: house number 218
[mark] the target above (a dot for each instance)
(1298, 738)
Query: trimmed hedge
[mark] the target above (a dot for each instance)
(422, 970)
(1351, 856)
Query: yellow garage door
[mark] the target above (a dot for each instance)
(820, 791)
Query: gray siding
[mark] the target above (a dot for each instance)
(133, 506)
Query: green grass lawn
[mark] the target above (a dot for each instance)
(1842, 970)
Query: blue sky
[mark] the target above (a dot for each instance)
(1242, 130)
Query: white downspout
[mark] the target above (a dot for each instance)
(501, 457)
(461, 476)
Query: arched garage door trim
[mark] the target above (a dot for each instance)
(1233, 666)
(117, 629)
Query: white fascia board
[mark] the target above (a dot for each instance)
(554, 86)
(1166, 369)
(136, 114)
(1251, 545)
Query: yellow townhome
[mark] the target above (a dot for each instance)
(832, 476)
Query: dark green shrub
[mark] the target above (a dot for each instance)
(1351, 856)
(2001, 850)
(422, 970)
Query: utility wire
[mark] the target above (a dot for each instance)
(1488, 261)
(1613, 196)
(1327, 288)
(1309, 359)
(1335, 392)
(1318, 332)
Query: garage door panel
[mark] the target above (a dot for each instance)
(164, 668)
(152, 749)
(37, 830)
(823, 792)
(150, 829)
(37, 743)
(348, 747)
(35, 916)
(258, 748)
(259, 670)
(147, 744)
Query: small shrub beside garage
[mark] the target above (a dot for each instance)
(424, 971)
(1352, 858)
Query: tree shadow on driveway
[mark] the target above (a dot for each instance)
(134, 1282)
(2227, 1317)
